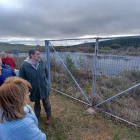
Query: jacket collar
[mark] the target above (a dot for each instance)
(28, 60)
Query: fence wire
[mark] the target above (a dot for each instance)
(125, 106)
(68, 74)
(117, 70)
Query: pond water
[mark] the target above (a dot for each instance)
(106, 64)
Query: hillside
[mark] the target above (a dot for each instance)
(104, 45)
(20, 47)
(131, 44)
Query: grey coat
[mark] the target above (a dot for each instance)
(38, 78)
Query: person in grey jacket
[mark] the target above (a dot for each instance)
(34, 70)
(17, 119)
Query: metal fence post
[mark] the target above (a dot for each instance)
(48, 60)
(94, 73)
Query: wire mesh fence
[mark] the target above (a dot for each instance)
(124, 105)
(72, 73)
(117, 69)
(94, 69)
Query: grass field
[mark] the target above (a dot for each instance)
(70, 121)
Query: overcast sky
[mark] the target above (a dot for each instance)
(38, 20)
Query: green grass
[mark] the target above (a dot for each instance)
(70, 121)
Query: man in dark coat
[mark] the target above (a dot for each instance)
(34, 70)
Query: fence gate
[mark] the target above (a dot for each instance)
(106, 75)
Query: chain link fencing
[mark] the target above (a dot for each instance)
(108, 72)
(118, 78)
(100, 72)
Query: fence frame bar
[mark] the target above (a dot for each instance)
(70, 73)
(71, 97)
(122, 119)
(48, 60)
(94, 73)
(118, 94)
(95, 38)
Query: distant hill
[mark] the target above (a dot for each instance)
(131, 41)
(118, 43)
(20, 47)
(114, 43)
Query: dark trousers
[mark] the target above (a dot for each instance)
(46, 105)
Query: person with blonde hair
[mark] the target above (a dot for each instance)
(17, 120)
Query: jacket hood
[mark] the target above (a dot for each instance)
(29, 60)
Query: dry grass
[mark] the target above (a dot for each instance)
(70, 121)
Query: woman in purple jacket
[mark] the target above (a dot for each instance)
(17, 120)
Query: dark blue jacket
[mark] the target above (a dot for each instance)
(6, 72)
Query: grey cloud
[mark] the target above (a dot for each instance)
(42, 19)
